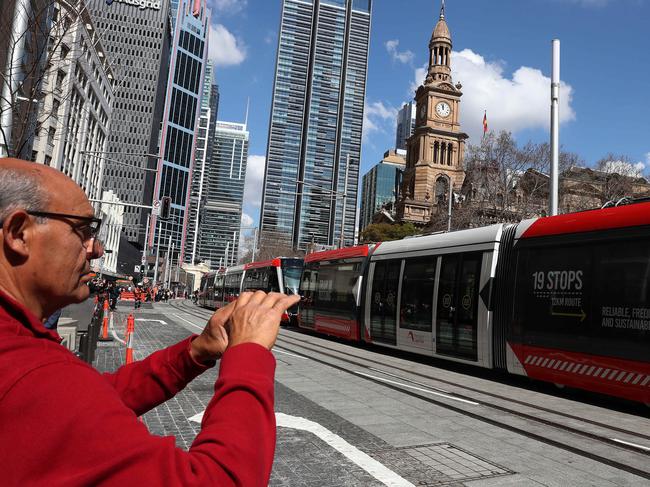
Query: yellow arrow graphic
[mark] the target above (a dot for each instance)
(582, 315)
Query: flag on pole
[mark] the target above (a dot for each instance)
(485, 125)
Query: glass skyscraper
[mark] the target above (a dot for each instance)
(381, 185)
(202, 160)
(316, 121)
(405, 125)
(223, 187)
(137, 42)
(180, 123)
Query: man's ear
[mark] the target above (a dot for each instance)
(17, 233)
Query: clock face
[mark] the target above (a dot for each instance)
(423, 110)
(443, 109)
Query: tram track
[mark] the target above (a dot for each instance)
(419, 390)
(565, 415)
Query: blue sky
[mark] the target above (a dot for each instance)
(502, 56)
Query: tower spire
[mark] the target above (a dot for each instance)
(442, 10)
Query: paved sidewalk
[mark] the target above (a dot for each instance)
(302, 458)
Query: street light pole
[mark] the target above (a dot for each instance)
(144, 248)
(155, 271)
(345, 200)
(451, 195)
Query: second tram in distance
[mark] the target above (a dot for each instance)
(282, 275)
(564, 299)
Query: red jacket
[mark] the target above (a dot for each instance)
(64, 423)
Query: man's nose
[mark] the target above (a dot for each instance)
(96, 249)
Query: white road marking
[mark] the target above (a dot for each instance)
(631, 444)
(111, 327)
(197, 418)
(147, 319)
(366, 462)
(398, 377)
(428, 391)
(188, 321)
(287, 353)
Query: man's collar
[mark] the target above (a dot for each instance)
(12, 310)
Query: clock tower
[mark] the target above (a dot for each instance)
(435, 151)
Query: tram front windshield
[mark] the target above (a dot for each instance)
(291, 271)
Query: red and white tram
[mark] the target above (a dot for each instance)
(277, 275)
(564, 299)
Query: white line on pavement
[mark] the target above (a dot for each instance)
(147, 319)
(398, 377)
(631, 444)
(428, 391)
(287, 353)
(187, 321)
(197, 418)
(369, 464)
(366, 462)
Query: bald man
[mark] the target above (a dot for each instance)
(63, 423)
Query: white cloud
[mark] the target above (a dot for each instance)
(254, 180)
(378, 117)
(631, 169)
(517, 103)
(246, 220)
(224, 48)
(228, 6)
(405, 57)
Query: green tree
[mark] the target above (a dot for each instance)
(383, 232)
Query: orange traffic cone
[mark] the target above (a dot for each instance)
(130, 329)
(105, 337)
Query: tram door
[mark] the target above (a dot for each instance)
(457, 305)
(383, 304)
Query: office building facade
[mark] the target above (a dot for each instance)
(315, 124)
(223, 189)
(202, 161)
(180, 125)
(405, 125)
(75, 111)
(136, 36)
(380, 186)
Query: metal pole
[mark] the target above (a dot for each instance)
(144, 249)
(234, 247)
(169, 248)
(345, 200)
(226, 253)
(254, 245)
(451, 195)
(10, 86)
(555, 127)
(155, 272)
(170, 261)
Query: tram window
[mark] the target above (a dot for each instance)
(335, 284)
(554, 291)
(417, 294)
(621, 305)
(291, 270)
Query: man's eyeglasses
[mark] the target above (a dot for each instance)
(87, 229)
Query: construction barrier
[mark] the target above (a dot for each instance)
(130, 331)
(105, 337)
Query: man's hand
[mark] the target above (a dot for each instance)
(213, 340)
(256, 317)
